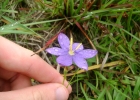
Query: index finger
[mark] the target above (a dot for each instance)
(18, 59)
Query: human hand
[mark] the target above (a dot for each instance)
(17, 66)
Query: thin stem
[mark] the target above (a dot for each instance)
(73, 77)
(65, 74)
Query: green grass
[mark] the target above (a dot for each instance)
(110, 26)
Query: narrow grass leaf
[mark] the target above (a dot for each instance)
(129, 20)
(137, 86)
(131, 34)
(100, 75)
(90, 85)
(41, 22)
(71, 6)
(79, 7)
(102, 94)
(15, 32)
(108, 95)
(117, 97)
(106, 4)
(83, 91)
(9, 11)
(119, 91)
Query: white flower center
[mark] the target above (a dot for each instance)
(71, 52)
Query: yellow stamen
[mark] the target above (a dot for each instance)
(71, 52)
(78, 46)
(71, 42)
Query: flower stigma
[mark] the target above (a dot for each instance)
(71, 52)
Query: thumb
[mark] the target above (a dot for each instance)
(51, 91)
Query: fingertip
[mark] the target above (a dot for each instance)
(64, 82)
(68, 86)
(61, 93)
(51, 91)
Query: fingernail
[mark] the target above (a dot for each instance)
(61, 94)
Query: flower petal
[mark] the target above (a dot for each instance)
(64, 41)
(88, 53)
(56, 51)
(65, 60)
(77, 47)
(80, 62)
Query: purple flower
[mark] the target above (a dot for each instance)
(71, 52)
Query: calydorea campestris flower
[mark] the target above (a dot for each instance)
(71, 52)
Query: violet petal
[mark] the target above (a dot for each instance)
(88, 53)
(77, 47)
(80, 61)
(64, 41)
(64, 60)
(56, 51)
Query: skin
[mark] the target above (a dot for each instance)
(17, 67)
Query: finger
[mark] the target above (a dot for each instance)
(14, 80)
(21, 81)
(18, 59)
(4, 86)
(52, 91)
(6, 75)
